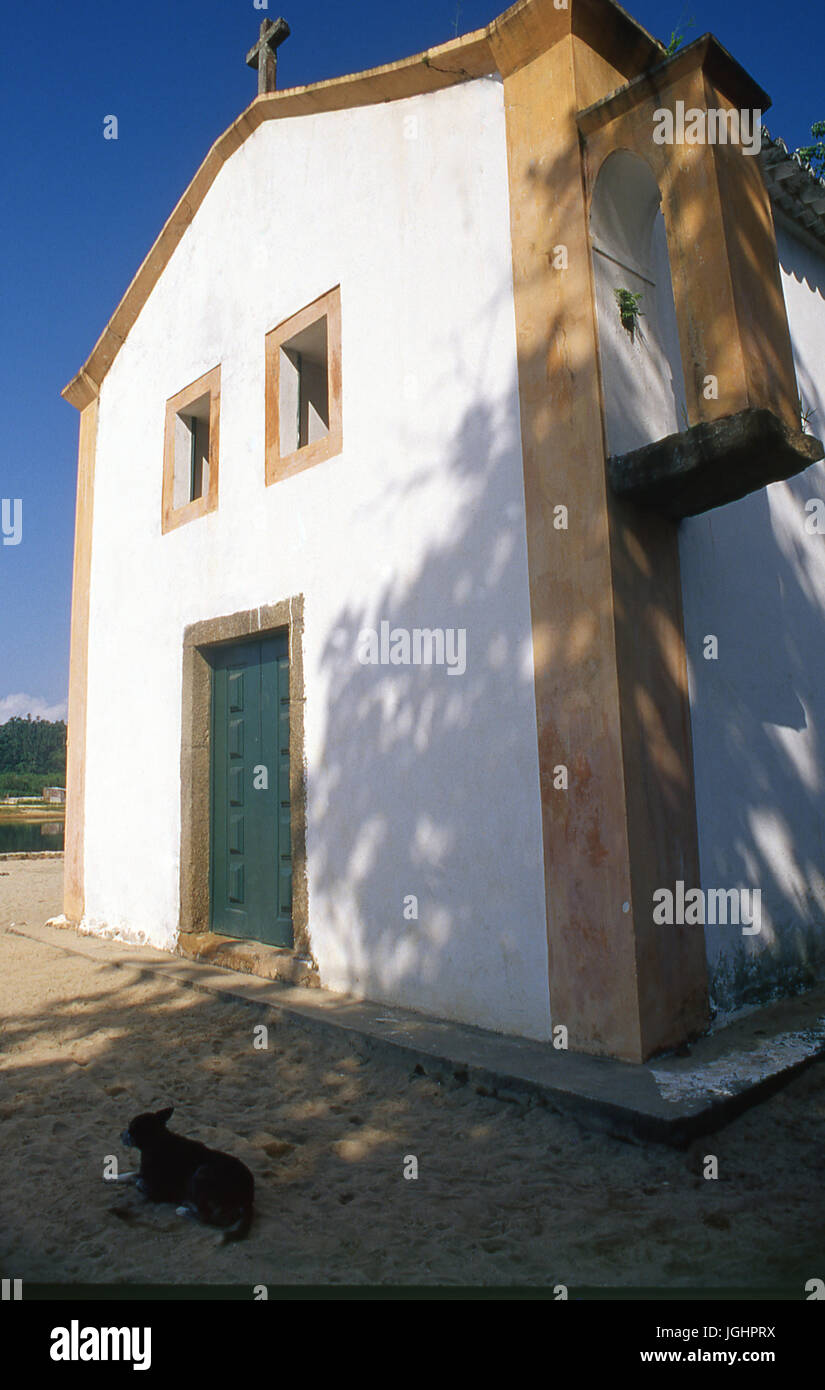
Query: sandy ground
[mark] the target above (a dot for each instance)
(506, 1194)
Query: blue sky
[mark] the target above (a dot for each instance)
(79, 212)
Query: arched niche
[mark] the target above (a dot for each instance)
(644, 393)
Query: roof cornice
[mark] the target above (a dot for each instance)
(705, 53)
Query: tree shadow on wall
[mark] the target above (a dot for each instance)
(424, 783)
(753, 578)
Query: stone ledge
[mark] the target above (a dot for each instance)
(710, 464)
(671, 1100)
(250, 957)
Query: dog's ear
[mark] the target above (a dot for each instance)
(165, 1115)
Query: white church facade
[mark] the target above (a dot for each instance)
(400, 544)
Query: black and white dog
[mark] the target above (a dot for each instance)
(211, 1185)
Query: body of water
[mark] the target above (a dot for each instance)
(28, 837)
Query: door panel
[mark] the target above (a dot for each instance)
(250, 845)
(284, 826)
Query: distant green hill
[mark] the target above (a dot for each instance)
(32, 755)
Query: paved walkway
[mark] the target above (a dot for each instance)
(671, 1099)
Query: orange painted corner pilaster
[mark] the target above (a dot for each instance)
(74, 902)
(593, 984)
(610, 667)
(750, 240)
(660, 797)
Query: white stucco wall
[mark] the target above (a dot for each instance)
(418, 782)
(754, 576)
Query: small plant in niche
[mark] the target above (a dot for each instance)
(629, 311)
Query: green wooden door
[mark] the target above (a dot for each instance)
(251, 855)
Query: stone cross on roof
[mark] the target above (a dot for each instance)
(264, 56)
